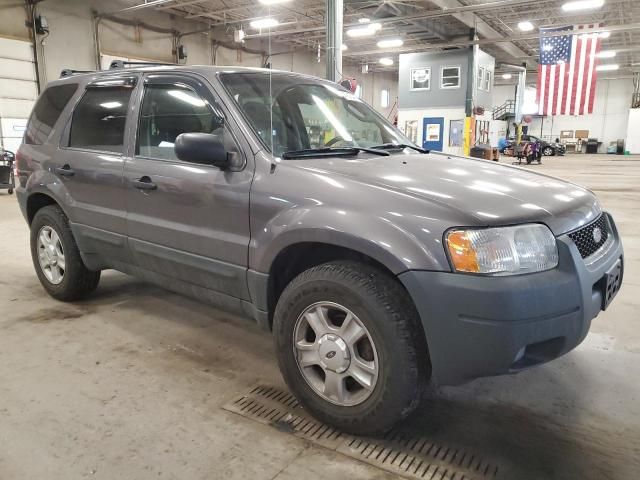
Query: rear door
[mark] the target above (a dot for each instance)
(187, 221)
(90, 163)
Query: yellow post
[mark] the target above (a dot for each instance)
(469, 134)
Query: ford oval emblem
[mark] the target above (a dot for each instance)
(597, 235)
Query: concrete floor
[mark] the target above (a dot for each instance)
(129, 384)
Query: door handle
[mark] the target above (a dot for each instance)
(144, 183)
(65, 170)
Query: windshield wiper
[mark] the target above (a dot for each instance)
(332, 152)
(399, 146)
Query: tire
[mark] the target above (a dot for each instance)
(10, 191)
(398, 347)
(548, 151)
(75, 281)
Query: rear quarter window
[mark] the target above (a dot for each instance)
(46, 112)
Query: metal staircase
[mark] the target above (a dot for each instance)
(505, 111)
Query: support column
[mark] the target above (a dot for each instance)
(334, 23)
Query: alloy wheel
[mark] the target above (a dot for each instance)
(335, 353)
(51, 255)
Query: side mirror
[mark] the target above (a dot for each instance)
(204, 148)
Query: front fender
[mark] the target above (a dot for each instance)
(383, 239)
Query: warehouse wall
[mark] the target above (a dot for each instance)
(607, 123)
(70, 44)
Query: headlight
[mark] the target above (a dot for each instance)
(502, 251)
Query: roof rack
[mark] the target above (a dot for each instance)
(67, 72)
(120, 64)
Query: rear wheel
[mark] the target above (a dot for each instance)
(56, 257)
(548, 151)
(350, 346)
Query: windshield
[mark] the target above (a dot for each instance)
(307, 114)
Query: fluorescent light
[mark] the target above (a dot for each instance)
(111, 104)
(582, 5)
(606, 54)
(187, 97)
(390, 43)
(273, 2)
(386, 61)
(525, 26)
(506, 76)
(604, 34)
(344, 47)
(364, 20)
(608, 68)
(264, 23)
(365, 31)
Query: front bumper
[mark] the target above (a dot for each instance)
(480, 326)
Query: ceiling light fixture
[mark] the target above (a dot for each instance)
(525, 26)
(606, 54)
(608, 68)
(390, 43)
(364, 20)
(582, 5)
(506, 76)
(366, 31)
(386, 61)
(604, 34)
(264, 23)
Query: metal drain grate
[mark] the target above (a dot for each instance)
(280, 409)
(407, 455)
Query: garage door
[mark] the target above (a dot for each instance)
(18, 90)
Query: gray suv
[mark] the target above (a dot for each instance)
(379, 267)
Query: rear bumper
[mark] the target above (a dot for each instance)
(481, 326)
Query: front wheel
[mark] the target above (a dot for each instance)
(350, 347)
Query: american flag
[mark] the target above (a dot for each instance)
(567, 71)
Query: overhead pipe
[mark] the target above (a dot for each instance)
(514, 38)
(415, 16)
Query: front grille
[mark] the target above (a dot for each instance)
(585, 238)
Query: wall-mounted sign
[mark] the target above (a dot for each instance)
(566, 133)
(433, 132)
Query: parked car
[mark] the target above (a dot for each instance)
(379, 267)
(547, 148)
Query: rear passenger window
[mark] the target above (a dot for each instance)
(168, 111)
(47, 111)
(99, 119)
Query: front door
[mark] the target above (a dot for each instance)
(186, 221)
(433, 133)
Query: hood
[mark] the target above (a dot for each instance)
(488, 192)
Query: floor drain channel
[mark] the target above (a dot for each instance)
(407, 455)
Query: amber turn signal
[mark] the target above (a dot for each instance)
(463, 255)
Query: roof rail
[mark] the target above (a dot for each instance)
(120, 64)
(67, 72)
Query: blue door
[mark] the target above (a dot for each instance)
(433, 133)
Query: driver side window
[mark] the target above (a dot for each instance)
(168, 111)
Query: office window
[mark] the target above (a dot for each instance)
(168, 111)
(99, 119)
(384, 98)
(450, 77)
(480, 78)
(487, 80)
(420, 78)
